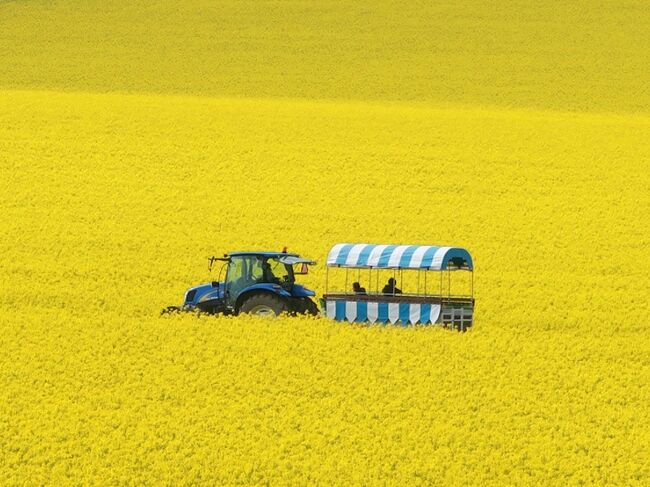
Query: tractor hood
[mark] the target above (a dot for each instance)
(204, 292)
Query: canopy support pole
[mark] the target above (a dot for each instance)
(394, 275)
(425, 282)
(347, 271)
(327, 273)
(472, 284)
(378, 282)
(369, 280)
(449, 296)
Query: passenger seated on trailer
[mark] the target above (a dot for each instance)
(390, 288)
(356, 287)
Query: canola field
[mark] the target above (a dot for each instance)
(137, 139)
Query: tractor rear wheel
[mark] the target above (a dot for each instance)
(263, 305)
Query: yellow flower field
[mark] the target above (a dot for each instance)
(138, 139)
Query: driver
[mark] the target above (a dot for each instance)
(267, 273)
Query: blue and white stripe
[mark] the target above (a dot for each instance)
(395, 256)
(373, 312)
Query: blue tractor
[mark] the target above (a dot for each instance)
(259, 283)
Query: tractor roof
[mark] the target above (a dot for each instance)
(262, 254)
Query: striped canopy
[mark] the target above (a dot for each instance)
(398, 257)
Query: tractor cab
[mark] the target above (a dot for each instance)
(261, 283)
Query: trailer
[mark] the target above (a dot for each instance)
(431, 299)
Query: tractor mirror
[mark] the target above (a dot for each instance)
(304, 269)
(215, 284)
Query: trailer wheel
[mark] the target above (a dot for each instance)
(263, 305)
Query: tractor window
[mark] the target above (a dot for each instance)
(247, 270)
(279, 270)
(256, 269)
(272, 271)
(235, 269)
(241, 274)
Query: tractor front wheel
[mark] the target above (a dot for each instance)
(264, 305)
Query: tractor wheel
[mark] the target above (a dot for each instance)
(264, 305)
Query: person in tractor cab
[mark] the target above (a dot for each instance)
(267, 273)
